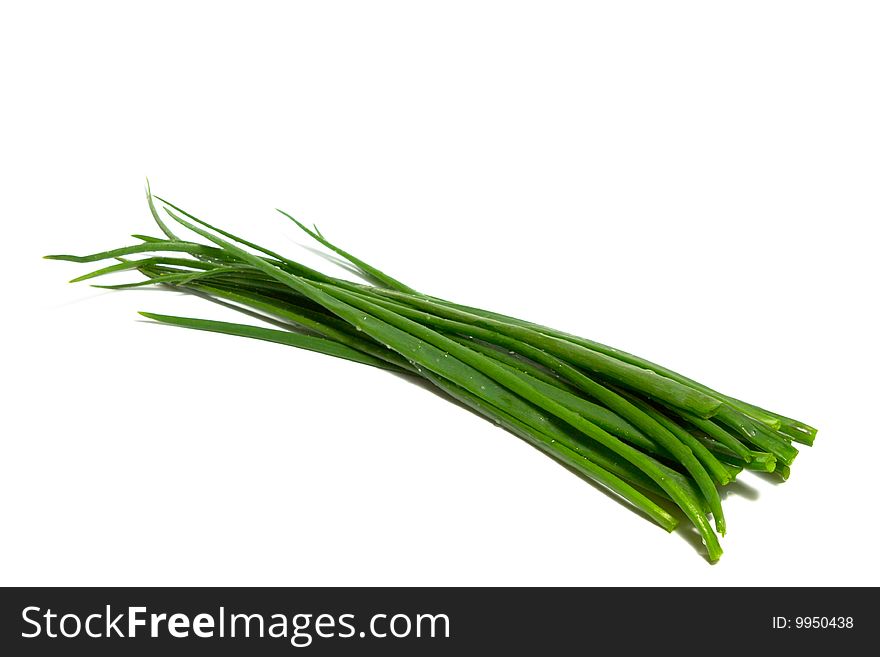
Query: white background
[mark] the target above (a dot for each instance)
(694, 182)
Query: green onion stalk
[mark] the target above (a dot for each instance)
(664, 444)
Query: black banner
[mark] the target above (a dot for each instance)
(323, 621)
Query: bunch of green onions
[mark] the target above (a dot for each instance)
(653, 437)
